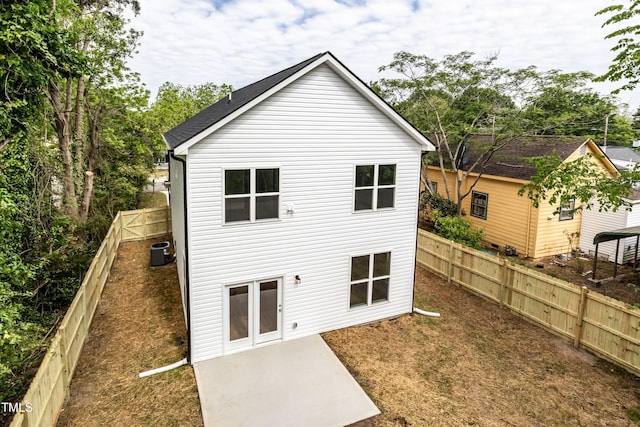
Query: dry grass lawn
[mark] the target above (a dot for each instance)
(476, 365)
(138, 326)
(479, 365)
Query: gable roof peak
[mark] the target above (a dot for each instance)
(229, 104)
(183, 136)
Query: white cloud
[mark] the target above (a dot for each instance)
(240, 41)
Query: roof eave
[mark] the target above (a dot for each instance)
(337, 66)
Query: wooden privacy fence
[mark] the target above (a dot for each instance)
(50, 386)
(603, 325)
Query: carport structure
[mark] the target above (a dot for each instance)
(607, 236)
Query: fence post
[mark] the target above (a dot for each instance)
(580, 319)
(503, 279)
(450, 267)
(66, 378)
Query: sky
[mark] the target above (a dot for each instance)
(237, 42)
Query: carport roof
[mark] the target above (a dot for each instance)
(621, 233)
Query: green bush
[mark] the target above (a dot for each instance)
(432, 203)
(458, 229)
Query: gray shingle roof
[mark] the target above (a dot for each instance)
(623, 153)
(511, 161)
(221, 109)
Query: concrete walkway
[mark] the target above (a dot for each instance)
(294, 383)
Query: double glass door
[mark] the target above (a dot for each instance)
(254, 313)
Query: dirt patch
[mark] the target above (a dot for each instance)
(138, 326)
(479, 365)
(577, 270)
(625, 287)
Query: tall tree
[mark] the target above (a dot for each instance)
(452, 99)
(176, 103)
(626, 64)
(563, 104)
(102, 37)
(33, 52)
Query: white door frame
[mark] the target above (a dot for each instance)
(253, 319)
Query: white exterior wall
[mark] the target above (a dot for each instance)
(176, 203)
(594, 222)
(316, 130)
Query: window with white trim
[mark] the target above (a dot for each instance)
(251, 194)
(567, 209)
(369, 279)
(375, 187)
(479, 204)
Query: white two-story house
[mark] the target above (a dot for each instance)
(294, 203)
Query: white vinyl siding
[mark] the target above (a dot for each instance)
(317, 130)
(594, 222)
(177, 217)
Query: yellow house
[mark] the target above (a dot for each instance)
(511, 220)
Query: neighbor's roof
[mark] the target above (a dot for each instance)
(512, 160)
(625, 154)
(225, 106)
(211, 118)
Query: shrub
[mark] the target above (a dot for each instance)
(433, 203)
(457, 229)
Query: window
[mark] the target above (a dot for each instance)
(434, 186)
(251, 194)
(375, 187)
(369, 279)
(479, 202)
(566, 210)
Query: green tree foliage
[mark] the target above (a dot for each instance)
(563, 104)
(101, 35)
(626, 64)
(435, 204)
(451, 99)
(582, 180)
(176, 103)
(33, 51)
(73, 54)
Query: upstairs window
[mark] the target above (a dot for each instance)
(375, 187)
(370, 279)
(251, 194)
(479, 203)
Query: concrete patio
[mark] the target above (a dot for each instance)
(293, 383)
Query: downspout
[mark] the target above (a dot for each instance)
(528, 239)
(415, 249)
(415, 272)
(187, 294)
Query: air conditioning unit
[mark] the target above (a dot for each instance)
(160, 254)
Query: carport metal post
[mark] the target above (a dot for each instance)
(615, 261)
(595, 262)
(635, 255)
